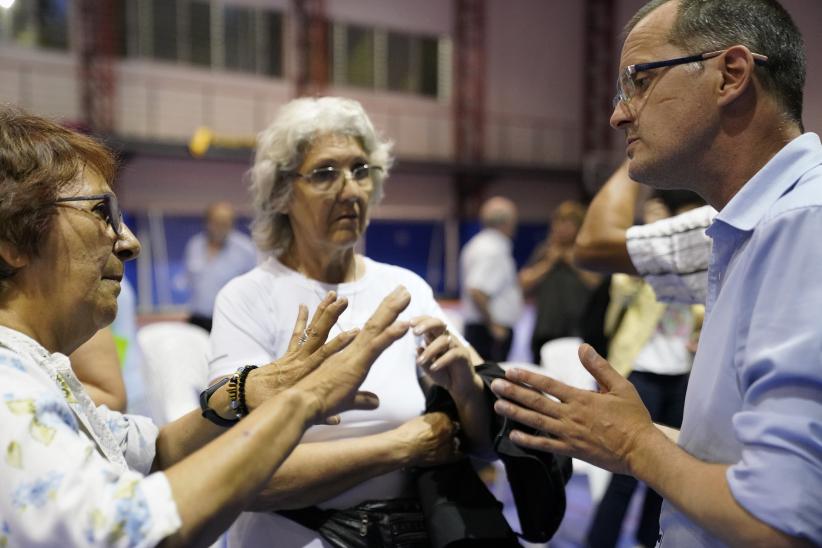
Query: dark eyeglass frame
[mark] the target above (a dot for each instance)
(111, 209)
(626, 79)
(324, 178)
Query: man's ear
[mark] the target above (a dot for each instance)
(737, 67)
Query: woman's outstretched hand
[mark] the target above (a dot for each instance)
(307, 349)
(335, 382)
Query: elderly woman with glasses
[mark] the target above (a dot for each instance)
(73, 474)
(319, 169)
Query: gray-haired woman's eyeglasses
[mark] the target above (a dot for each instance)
(326, 178)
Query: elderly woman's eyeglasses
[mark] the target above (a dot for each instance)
(107, 210)
(628, 85)
(325, 178)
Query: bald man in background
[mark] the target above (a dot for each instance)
(490, 294)
(213, 258)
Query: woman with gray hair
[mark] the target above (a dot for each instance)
(320, 167)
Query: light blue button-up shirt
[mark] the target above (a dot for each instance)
(207, 275)
(755, 394)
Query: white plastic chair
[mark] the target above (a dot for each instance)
(176, 368)
(559, 360)
(176, 371)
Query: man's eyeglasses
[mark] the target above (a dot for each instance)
(107, 210)
(324, 178)
(628, 85)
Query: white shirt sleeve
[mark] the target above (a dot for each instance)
(56, 489)
(673, 255)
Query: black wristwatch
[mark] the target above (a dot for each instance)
(208, 412)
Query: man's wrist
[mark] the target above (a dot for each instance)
(646, 446)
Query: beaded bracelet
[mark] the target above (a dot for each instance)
(233, 393)
(242, 375)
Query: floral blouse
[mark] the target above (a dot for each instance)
(72, 474)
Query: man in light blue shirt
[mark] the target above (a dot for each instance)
(213, 258)
(710, 99)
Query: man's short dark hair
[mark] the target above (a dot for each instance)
(762, 25)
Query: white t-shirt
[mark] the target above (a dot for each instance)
(487, 264)
(254, 317)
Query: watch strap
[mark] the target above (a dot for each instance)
(208, 412)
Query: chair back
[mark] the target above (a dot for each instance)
(176, 368)
(559, 360)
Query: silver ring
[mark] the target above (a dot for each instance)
(302, 339)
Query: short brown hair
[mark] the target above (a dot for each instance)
(38, 158)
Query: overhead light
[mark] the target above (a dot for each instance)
(6, 3)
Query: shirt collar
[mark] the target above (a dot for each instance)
(20, 342)
(756, 197)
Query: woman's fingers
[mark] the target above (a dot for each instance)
(382, 329)
(299, 329)
(329, 349)
(434, 349)
(362, 401)
(336, 380)
(365, 401)
(428, 327)
(325, 317)
(449, 359)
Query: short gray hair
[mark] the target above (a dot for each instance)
(764, 26)
(281, 149)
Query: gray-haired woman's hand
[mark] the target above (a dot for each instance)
(448, 362)
(429, 440)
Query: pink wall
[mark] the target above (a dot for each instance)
(534, 69)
